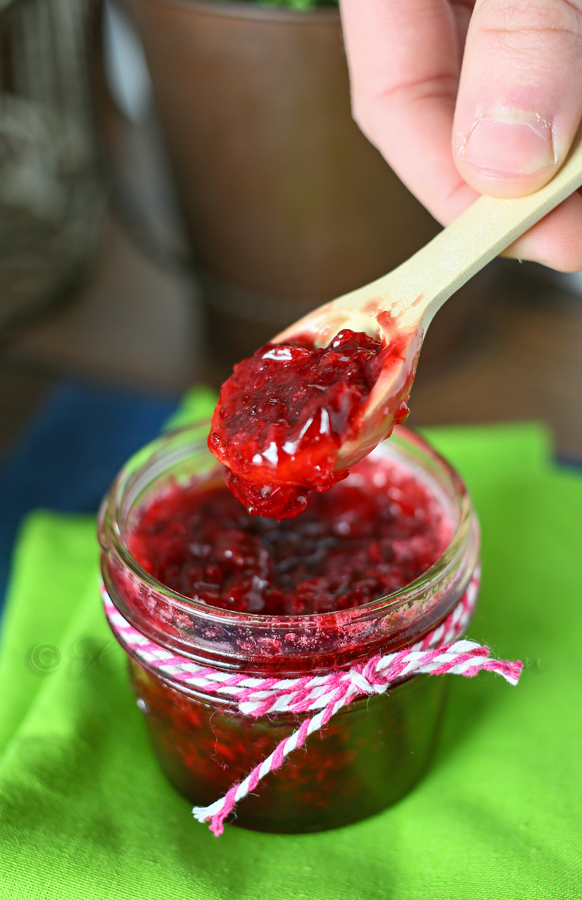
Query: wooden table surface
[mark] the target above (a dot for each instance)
(134, 324)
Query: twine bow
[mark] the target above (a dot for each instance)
(438, 653)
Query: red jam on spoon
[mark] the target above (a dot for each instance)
(285, 412)
(375, 532)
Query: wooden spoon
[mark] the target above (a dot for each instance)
(399, 307)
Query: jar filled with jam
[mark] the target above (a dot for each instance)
(370, 567)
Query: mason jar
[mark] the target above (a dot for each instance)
(374, 750)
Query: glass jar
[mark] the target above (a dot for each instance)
(373, 751)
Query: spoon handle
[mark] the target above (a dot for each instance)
(417, 289)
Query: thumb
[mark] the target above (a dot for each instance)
(520, 94)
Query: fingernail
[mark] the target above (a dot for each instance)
(519, 144)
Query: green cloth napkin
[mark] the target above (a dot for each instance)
(86, 813)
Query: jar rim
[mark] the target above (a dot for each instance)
(111, 538)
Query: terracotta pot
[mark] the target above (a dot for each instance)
(287, 205)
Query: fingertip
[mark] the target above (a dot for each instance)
(517, 110)
(507, 155)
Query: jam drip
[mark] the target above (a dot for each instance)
(372, 534)
(284, 413)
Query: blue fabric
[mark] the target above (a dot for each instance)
(71, 451)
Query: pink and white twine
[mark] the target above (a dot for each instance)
(438, 653)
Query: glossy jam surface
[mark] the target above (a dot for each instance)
(284, 413)
(372, 534)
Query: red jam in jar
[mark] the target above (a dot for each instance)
(370, 567)
(284, 413)
(371, 535)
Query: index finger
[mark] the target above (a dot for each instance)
(405, 59)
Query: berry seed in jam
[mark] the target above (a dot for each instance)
(285, 412)
(372, 534)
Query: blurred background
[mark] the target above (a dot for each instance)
(178, 181)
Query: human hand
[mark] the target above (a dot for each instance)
(499, 124)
